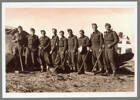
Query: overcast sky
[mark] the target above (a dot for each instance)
(121, 19)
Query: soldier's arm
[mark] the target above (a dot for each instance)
(55, 44)
(48, 45)
(65, 44)
(76, 43)
(90, 41)
(116, 39)
(37, 41)
(101, 40)
(87, 44)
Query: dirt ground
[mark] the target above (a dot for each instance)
(48, 82)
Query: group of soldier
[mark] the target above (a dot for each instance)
(72, 51)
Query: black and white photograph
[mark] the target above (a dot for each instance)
(69, 49)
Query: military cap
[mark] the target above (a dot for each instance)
(61, 32)
(32, 29)
(43, 31)
(107, 24)
(69, 30)
(94, 24)
(54, 29)
(20, 27)
(82, 31)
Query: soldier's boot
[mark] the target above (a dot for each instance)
(47, 68)
(106, 73)
(75, 69)
(114, 73)
(41, 67)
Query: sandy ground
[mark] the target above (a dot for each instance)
(48, 82)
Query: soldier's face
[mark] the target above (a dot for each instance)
(81, 34)
(107, 28)
(70, 33)
(61, 34)
(94, 27)
(32, 32)
(19, 30)
(43, 33)
(53, 31)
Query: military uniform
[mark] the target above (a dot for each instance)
(45, 47)
(18, 47)
(96, 40)
(110, 38)
(20, 42)
(84, 42)
(32, 49)
(54, 48)
(72, 49)
(61, 57)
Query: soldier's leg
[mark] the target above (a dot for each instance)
(32, 56)
(73, 59)
(112, 60)
(27, 53)
(53, 57)
(99, 61)
(80, 66)
(40, 59)
(94, 60)
(57, 60)
(70, 60)
(107, 60)
(84, 59)
(104, 62)
(47, 60)
(63, 60)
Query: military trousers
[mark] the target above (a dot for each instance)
(44, 57)
(53, 57)
(110, 58)
(82, 66)
(95, 55)
(31, 56)
(72, 59)
(60, 59)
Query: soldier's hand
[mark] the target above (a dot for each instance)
(103, 46)
(88, 48)
(51, 52)
(100, 50)
(39, 47)
(109, 46)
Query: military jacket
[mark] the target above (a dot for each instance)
(54, 42)
(96, 40)
(84, 42)
(45, 43)
(63, 44)
(110, 38)
(33, 41)
(72, 43)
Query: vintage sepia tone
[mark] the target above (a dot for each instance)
(69, 50)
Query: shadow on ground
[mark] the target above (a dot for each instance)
(122, 61)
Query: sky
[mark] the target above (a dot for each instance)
(121, 19)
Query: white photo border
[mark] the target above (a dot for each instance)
(66, 5)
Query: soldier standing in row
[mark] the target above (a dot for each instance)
(61, 56)
(20, 42)
(32, 49)
(83, 43)
(44, 51)
(54, 46)
(72, 50)
(110, 40)
(96, 41)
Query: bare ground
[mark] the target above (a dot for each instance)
(47, 82)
